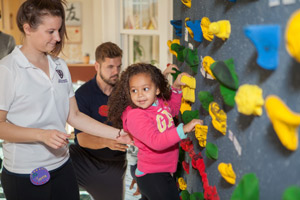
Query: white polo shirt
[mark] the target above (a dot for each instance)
(35, 101)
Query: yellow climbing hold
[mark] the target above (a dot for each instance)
(249, 99)
(169, 43)
(189, 81)
(227, 172)
(184, 106)
(201, 134)
(182, 184)
(188, 3)
(292, 35)
(206, 63)
(188, 90)
(188, 28)
(205, 22)
(285, 122)
(188, 94)
(221, 29)
(219, 117)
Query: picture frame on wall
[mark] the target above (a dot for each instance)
(1, 15)
(74, 35)
(73, 14)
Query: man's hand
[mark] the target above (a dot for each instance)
(115, 145)
(95, 142)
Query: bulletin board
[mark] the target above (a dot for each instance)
(260, 151)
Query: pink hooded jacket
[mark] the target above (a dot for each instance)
(155, 134)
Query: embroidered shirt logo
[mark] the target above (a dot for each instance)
(60, 73)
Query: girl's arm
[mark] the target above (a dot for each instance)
(169, 69)
(175, 101)
(144, 128)
(91, 126)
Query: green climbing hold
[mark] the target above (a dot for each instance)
(174, 75)
(191, 58)
(225, 73)
(247, 189)
(179, 50)
(185, 195)
(205, 99)
(197, 196)
(189, 115)
(291, 193)
(228, 95)
(211, 151)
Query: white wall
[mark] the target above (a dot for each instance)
(100, 23)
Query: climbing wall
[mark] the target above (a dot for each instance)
(251, 145)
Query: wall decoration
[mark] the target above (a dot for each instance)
(74, 34)
(73, 14)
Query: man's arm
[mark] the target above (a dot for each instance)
(94, 142)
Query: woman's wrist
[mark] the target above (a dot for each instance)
(119, 133)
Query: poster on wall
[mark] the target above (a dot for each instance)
(74, 34)
(73, 14)
(1, 15)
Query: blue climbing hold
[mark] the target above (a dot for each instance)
(196, 28)
(266, 39)
(177, 24)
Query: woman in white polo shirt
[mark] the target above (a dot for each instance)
(36, 101)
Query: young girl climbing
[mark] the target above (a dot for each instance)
(144, 105)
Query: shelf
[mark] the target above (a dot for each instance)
(82, 72)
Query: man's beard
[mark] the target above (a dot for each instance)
(107, 81)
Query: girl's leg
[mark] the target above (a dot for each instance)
(158, 186)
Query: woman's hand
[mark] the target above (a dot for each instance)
(54, 138)
(191, 125)
(124, 138)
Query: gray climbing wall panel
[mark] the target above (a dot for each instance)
(261, 151)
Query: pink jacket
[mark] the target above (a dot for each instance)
(155, 134)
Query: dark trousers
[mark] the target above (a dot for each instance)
(103, 179)
(132, 172)
(61, 186)
(158, 186)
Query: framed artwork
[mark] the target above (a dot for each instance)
(1, 15)
(74, 34)
(73, 14)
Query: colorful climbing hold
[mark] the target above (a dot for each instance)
(285, 122)
(292, 36)
(266, 39)
(249, 99)
(219, 117)
(227, 172)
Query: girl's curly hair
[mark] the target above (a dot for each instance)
(120, 96)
